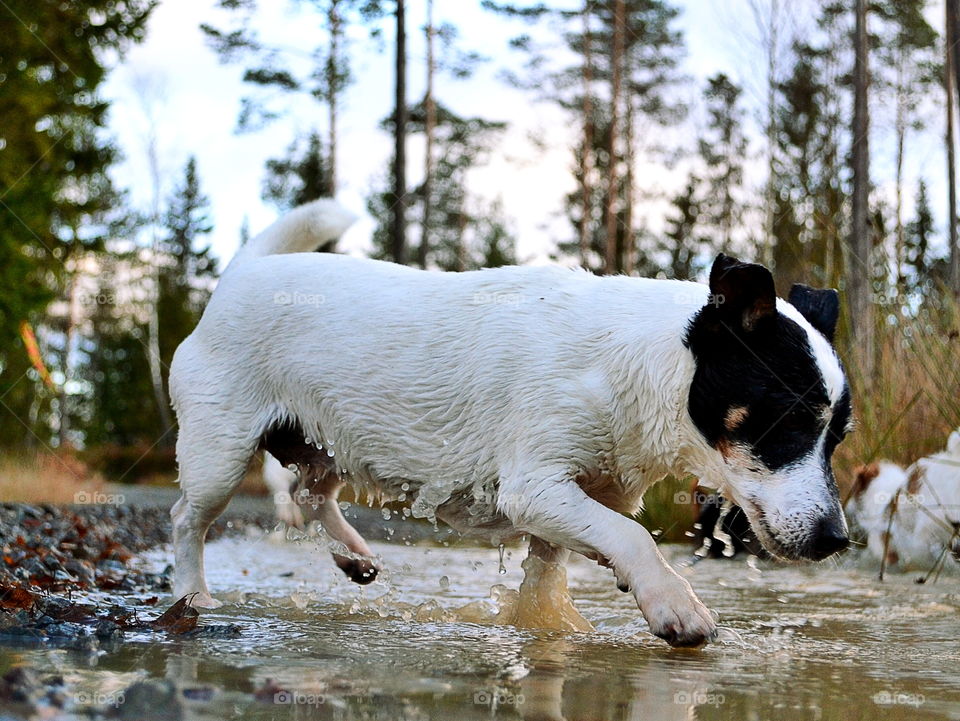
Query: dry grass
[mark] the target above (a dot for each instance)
(909, 404)
(47, 478)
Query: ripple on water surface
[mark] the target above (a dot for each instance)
(797, 642)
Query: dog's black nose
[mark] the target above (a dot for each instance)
(831, 537)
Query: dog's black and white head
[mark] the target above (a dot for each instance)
(769, 395)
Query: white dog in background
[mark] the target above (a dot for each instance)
(512, 401)
(911, 517)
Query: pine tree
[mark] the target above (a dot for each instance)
(684, 246)
(56, 199)
(458, 218)
(724, 150)
(270, 69)
(925, 273)
(908, 71)
(300, 176)
(119, 406)
(186, 271)
(811, 197)
(648, 63)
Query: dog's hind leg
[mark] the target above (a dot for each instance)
(558, 511)
(211, 467)
(322, 496)
(543, 600)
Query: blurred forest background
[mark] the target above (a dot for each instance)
(97, 288)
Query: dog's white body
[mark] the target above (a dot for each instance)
(918, 506)
(505, 401)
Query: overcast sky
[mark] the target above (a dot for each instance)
(174, 81)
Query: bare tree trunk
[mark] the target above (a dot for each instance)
(148, 96)
(772, 71)
(901, 131)
(767, 17)
(73, 319)
(950, 68)
(333, 87)
(859, 269)
(629, 248)
(616, 62)
(429, 125)
(462, 242)
(399, 229)
(585, 164)
(953, 18)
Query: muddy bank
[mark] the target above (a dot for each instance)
(67, 579)
(70, 581)
(57, 549)
(67, 573)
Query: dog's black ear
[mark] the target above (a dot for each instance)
(820, 307)
(742, 293)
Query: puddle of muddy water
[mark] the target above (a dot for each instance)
(798, 642)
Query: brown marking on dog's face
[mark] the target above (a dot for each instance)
(735, 453)
(915, 480)
(735, 417)
(862, 476)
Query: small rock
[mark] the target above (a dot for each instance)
(107, 630)
(20, 685)
(150, 700)
(204, 693)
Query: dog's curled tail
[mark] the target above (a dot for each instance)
(302, 230)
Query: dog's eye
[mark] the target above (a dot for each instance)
(795, 418)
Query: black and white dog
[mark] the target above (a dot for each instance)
(538, 401)
(722, 529)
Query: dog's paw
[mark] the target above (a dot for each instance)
(358, 570)
(676, 615)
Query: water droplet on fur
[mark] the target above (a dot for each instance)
(385, 512)
(344, 505)
(503, 569)
(405, 487)
(308, 441)
(330, 452)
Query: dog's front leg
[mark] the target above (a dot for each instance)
(560, 512)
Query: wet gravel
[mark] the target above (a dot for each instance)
(69, 580)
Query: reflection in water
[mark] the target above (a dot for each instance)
(822, 642)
